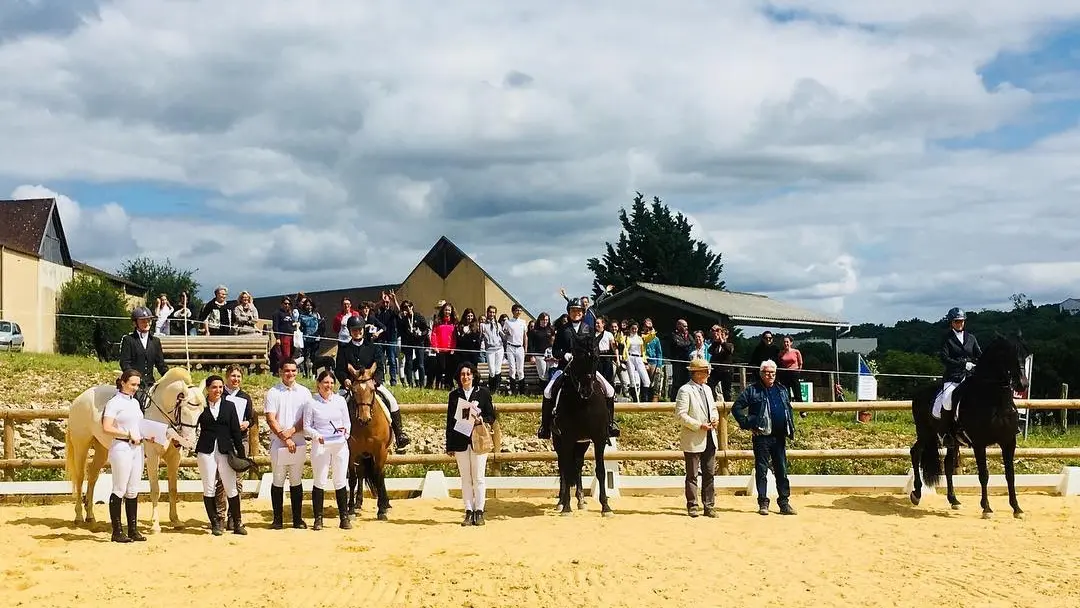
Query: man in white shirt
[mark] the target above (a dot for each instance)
(695, 408)
(284, 407)
(515, 330)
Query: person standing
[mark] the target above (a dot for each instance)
(721, 356)
(284, 407)
(219, 436)
(415, 334)
(516, 329)
(141, 351)
(161, 315)
(327, 422)
(695, 408)
(764, 409)
(120, 420)
(216, 315)
(790, 364)
(494, 349)
(472, 466)
(235, 397)
(682, 344)
(388, 314)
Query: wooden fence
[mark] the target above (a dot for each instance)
(11, 417)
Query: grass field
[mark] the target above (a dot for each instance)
(48, 381)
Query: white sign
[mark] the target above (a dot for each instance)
(867, 389)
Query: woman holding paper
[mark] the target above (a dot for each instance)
(238, 398)
(219, 436)
(327, 422)
(468, 406)
(121, 419)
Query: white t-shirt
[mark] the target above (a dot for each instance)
(323, 418)
(635, 346)
(126, 412)
(604, 343)
(515, 331)
(288, 404)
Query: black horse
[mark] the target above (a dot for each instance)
(581, 418)
(985, 415)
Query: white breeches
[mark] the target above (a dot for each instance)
(541, 366)
(495, 358)
(388, 398)
(280, 471)
(639, 374)
(473, 483)
(515, 357)
(210, 466)
(944, 399)
(608, 389)
(126, 461)
(327, 458)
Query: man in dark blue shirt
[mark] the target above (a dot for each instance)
(765, 409)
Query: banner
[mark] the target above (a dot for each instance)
(866, 390)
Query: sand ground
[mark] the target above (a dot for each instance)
(839, 551)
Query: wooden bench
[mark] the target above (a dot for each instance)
(250, 350)
(532, 378)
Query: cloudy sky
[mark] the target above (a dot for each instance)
(878, 160)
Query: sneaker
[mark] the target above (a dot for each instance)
(787, 510)
(709, 512)
(692, 511)
(763, 510)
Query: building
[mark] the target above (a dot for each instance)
(862, 346)
(1071, 306)
(34, 264)
(445, 273)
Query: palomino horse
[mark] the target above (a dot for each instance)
(369, 442)
(173, 401)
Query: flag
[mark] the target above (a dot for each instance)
(864, 369)
(866, 389)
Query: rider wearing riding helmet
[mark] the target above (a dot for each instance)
(575, 332)
(959, 352)
(360, 354)
(140, 350)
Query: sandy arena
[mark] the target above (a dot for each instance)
(839, 551)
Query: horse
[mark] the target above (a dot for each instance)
(581, 417)
(173, 401)
(369, 443)
(985, 415)
(579, 465)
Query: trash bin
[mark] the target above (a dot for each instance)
(806, 389)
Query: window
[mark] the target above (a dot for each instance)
(5, 326)
(17, 330)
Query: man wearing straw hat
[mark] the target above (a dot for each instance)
(695, 408)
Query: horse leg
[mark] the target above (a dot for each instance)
(580, 458)
(101, 455)
(172, 466)
(378, 476)
(984, 479)
(1008, 451)
(153, 460)
(952, 456)
(601, 476)
(350, 477)
(566, 463)
(916, 492)
(76, 470)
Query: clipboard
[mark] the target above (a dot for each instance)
(151, 429)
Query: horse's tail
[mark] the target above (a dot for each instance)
(368, 464)
(930, 460)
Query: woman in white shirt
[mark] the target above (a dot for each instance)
(121, 419)
(327, 422)
(161, 315)
(635, 363)
(471, 465)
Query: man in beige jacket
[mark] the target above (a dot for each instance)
(698, 415)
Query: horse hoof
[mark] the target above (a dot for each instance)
(1018, 514)
(566, 513)
(914, 499)
(382, 516)
(955, 506)
(581, 505)
(608, 514)
(987, 514)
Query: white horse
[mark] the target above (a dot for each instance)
(173, 401)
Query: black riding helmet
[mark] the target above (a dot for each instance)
(354, 323)
(141, 312)
(955, 314)
(574, 303)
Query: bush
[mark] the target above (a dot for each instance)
(89, 295)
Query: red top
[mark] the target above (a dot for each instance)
(442, 336)
(790, 359)
(339, 319)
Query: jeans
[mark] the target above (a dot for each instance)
(415, 374)
(771, 448)
(390, 352)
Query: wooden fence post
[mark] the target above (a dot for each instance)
(723, 442)
(742, 378)
(9, 446)
(254, 442)
(1065, 413)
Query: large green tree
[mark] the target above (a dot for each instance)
(655, 246)
(84, 301)
(162, 277)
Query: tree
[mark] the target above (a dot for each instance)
(655, 246)
(162, 277)
(92, 300)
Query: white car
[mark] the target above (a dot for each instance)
(11, 337)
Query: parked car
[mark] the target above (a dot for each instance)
(11, 337)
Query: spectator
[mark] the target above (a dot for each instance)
(375, 327)
(284, 325)
(635, 362)
(695, 408)
(494, 348)
(681, 346)
(764, 409)
(654, 364)
(216, 315)
(467, 338)
(181, 317)
(605, 343)
(790, 363)
(540, 339)
(311, 326)
(341, 317)
(414, 332)
(764, 351)
(388, 351)
(721, 356)
(442, 340)
(470, 464)
(701, 349)
(245, 315)
(516, 342)
(162, 311)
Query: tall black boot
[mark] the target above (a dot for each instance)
(131, 505)
(400, 438)
(296, 499)
(317, 507)
(613, 427)
(234, 515)
(521, 386)
(493, 385)
(277, 502)
(118, 535)
(547, 407)
(646, 393)
(211, 514)
(342, 496)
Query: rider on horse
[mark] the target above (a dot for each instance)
(141, 350)
(959, 352)
(575, 332)
(360, 354)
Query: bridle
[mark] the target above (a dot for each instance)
(175, 420)
(359, 404)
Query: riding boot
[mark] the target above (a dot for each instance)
(496, 383)
(400, 438)
(613, 427)
(342, 496)
(277, 502)
(547, 407)
(296, 499)
(234, 515)
(317, 507)
(131, 505)
(211, 514)
(521, 386)
(118, 535)
(634, 394)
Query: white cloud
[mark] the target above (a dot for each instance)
(339, 140)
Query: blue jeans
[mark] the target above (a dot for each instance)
(771, 448)
(390, 352)
(415, 374)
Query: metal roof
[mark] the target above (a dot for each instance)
(741, 308)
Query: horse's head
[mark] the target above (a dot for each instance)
(177, 402)
(362, 391)
(582, 368)
(1004, 361)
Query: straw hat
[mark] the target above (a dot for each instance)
(699, 365)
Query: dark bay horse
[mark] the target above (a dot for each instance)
(985, 415)
(580, 418)
(369, 443)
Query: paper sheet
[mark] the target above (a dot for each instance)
(240, 404)
(285, 458)
(151, 429)
(465, 427)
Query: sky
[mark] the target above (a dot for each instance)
(877, 161)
